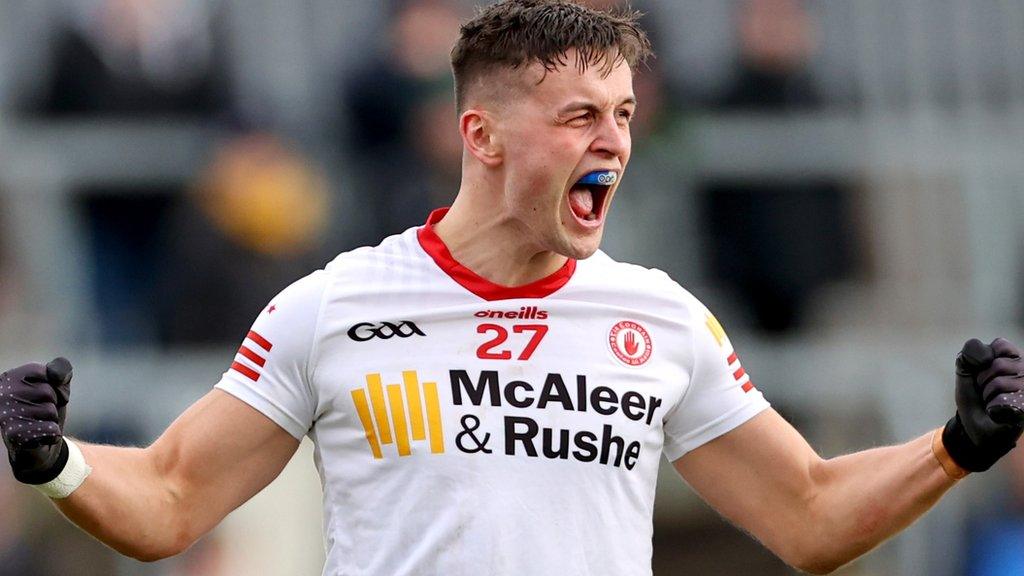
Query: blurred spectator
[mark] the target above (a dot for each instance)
(775, 242)
(135, 57)
(143, 59)
(254, 223)
(402, 130)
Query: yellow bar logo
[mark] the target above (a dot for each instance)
(398, 429)
(716, 329)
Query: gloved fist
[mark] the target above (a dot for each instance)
(33, 405)
(989, 404)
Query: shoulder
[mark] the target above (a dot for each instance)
(637, 285)
(395, 256)
(603, 269)
(297, 301)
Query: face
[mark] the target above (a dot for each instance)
(555, 133)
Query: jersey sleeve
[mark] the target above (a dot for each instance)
(720, 395)
(270, 371)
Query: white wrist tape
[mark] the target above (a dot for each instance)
(71, 477)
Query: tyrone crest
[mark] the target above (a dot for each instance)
(630, 343)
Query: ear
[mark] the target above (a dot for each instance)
(479, 137)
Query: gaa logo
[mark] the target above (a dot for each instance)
(608, 178)
(630, 343)
(367, 331)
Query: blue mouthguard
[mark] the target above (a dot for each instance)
(601, 177)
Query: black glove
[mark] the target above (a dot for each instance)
(33, 404)
(989, 404)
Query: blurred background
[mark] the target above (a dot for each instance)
(841, 182)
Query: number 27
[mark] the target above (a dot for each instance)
(485, 351)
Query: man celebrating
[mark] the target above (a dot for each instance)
(489, 393)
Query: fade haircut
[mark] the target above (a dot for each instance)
(516, 33)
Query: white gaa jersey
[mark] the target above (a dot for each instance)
(464, 428)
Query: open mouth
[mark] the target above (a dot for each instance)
(587, 197)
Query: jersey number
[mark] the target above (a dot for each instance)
(486, 350)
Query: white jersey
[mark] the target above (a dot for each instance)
(464, 428)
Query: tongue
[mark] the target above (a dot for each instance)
(581, 201)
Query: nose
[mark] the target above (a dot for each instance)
(612, 138)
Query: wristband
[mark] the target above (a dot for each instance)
(70, 478)
(952, 469)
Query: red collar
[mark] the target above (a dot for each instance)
(477, 284)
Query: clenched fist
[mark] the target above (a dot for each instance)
(989, 404)
(33, 405)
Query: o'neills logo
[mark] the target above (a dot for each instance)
(524, 313)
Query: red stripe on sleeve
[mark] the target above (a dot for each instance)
(245, 371)
(263, 342)
(739, 373)
(256, 358)
(748, 386)
(733, 358)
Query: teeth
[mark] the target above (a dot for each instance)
(591, 216)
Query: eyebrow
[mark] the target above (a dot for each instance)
(587, 105)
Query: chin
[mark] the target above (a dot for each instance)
(581, 248)
(586, 254)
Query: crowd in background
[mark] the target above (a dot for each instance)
(190, 262)
(374, 147)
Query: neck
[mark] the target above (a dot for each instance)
(491, 244)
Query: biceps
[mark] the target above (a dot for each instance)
(760, 476)
(218, 454)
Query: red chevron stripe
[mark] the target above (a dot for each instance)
(245, 371)
(256, 358)
(260, 340)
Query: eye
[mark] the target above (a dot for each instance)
(581, 120)
(626, 115)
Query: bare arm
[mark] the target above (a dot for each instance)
(815, 514)
(155, 502)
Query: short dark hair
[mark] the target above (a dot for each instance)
(514, 33)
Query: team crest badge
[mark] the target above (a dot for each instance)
(630, 343)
